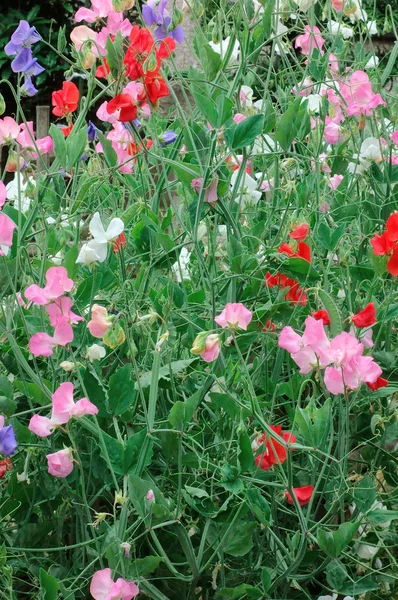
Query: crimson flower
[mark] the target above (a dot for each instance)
(303, 495)
(300, 233)
(367, 316)
(119, 242)
(274, 453)
(322, 315)
(65, 101)
(379, 383)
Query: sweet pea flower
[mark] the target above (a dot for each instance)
(95, 352)
(359, 96)
(58, 283)
(154, 13)
(43, 344)
(8, 443)
(9, 130)
(3, 194)
(335, 181)
(102, 236)
(7, 227)
(65, 101)
(100, 321)
(150, 496)
(101, 9)
(60, 464)
(222, 47)
(275, 452)
(336, 28)
(23, 37)
(103, 114)
(302, 494)
(180, 267)
(25, 63)
(370, 151)
(82, 34)
(247, 188)
(307, 350)
(234, 316)
(310, 40)
(60, 312)
(366, 317)
(207, 346)
(104, 588)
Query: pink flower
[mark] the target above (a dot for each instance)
(63, 409)
(103, 587)
(7, 227)
(103, 115)
(150, 496)
(310, 40)
(60, 312)
(9, 130)
(82, 34)
(238, 118)
(338, 5)
(234, 316)
(100, 10)
(331, 132)
(207, 346)
(100, 321)
(58, 283)
(394, 137)
(43, 344)
(359, 95)
(60, 464)
(335, 181)
(3, 194)
(26, 135)
(307, 350)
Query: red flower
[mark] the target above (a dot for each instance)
(155, 86)
(269, 326)
(303, 251)
(295, 294)
(124, 102)
(65, 101)
(5, 465)
(392, 265)
(392, 227)
(286, 249)
(67, 130)
(275, 453)
(322, 315)
(119, 242)
(303, 495)
(366, 317)
(300, 233)
(103, 70)
(382, 244)
(379, 383)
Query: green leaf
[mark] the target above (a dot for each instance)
(211, 61)
(245, 454)
(121, 390)
(196, 492)
(295, 119)
(334, 542)
(360, 586)
(75, 146)
(142, 567)
(134, 446)
(299, 268)
(6, 387)
(207, 108)
(96, 393)
(164, 372)
(266, 579)
(59, 145)
(241, 539)
(364, 494)
(336, 574)
(61, 40)
(335, 321)
(182, 412)
(115, 452)
(258, 505)
(244, 590)
(243, 134)
(48, 586)
(109, 153)
(69, 261)
(115, 55)
(329, 238)
(382, 516)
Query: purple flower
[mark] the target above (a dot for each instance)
(23, 37)
(8, 443)
(28, 89)
(92, 131)
(137, 123)
(168, 137)
(155, 13)
(25, 63)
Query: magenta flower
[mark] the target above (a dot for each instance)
(104, 588)
(60, 464)
(359, 96)
(58, 283)
(234, 316)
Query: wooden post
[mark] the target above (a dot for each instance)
(42, 127)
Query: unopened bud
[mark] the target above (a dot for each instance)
(114, 337)
(161, 341)
(2, 105)
(199, 343)
(178, 17)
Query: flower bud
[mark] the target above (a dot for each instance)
(199, 343)
(178, 17)
(2, 105)
(114, 337)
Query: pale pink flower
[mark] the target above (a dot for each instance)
(60, 464)
(365, 336)
(212, 348)
(100, 321)
(82, 34)
(305, 87)
(359, 95)
(338, 5)
(3, 194)
(150, 496)
(41, 426)
(335, 181)
(9, 130)
(331, 132)
(58, 283)
(333, 63)
(116, 23)
(26, 135)
(60, 312)
(7, 227)
(324, 207)
(44, 146)
(394, 137)
(104, 588)
(238, 118)
(310, 40)
(307, 350)
(100, 10)
(234, 316)
(43, 344)
(103, 115)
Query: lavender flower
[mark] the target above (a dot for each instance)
(168, 137)
(8, 443)
(23, 37)
(92, 131)
(25, 63)
(28, 89)
(155, 13)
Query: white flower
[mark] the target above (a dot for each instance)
(67, 366)
(314, 102)
(21, 200)
(304, 5)
(92, 252)
(359, 14)
(246, 95)
(264, 144)
(115, 228)
(372, 63)
(180, 268)
(222, 47)
(371, 26)
(370, 151)
(247, 188)
(336, 28)
(365, 551)
(57, 258)
(341, 294)
(258, 8)
(95, 352)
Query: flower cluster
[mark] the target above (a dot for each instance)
(20, 46)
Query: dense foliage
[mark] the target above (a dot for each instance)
(198, 344)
